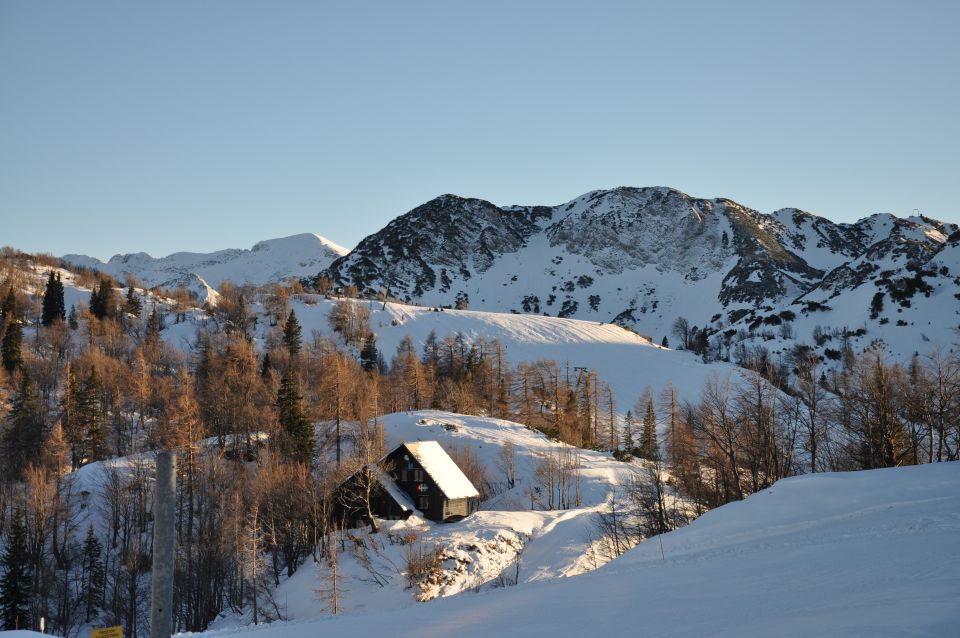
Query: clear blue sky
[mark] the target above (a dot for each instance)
(164, 126)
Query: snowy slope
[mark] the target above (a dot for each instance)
(642, 257)
(481, 548)
(625, 360)
(272, 260)
(858, 554)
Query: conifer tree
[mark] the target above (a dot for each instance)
(629, 444)
(9, 311)
(102, 302)
(70, 418)
(15, 582)
(369, 354)
(53, 305)
(292, 338)
(90, 419)
(153, 325)
(266, 365)
(72, 318)
(24, 438)
(94, 574)
(133, 305)
(293, 420)
(648, 439)
(10, 348)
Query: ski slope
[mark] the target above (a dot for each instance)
(858, 554)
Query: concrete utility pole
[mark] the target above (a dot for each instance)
(164, 535)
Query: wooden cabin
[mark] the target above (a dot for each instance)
(437, 485)
(414, 476)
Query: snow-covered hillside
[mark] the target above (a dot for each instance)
(642, 257)
(272, 260)
(623, 359)
(482, 550)
(857, 554)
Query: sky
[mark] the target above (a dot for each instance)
(184, 125)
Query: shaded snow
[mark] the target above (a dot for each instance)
(857, 554)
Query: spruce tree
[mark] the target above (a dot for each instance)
(648, 439)
(266, 366)
(628, 443)
(133, 305)
(53, 305)
(24, 438)
(70, 418)
(9, 311)
(72, 318)
(102, 304)
(369, 355)
(15, 582)
(293, 420)
(292, 334)
(90, 419)
(10, 348)
(94, 574)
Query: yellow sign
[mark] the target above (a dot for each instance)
(107, 632)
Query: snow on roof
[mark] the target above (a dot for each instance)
(441, 468)
(398, 495)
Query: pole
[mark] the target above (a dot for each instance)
(164, 535)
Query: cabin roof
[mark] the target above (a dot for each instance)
(445, 473)
(389, 485)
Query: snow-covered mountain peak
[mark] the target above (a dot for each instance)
(298, 256)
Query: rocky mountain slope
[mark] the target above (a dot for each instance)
(271, 260)
(641, 257)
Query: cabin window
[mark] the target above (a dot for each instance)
(424, 504)
(403, 473)
(418, 475)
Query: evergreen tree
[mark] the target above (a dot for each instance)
(102, 304)
(24, 438)
(133, 305)
(648, 439)
(665, 343)
(266, 366)
(70, 418)
(10, 349)
(293, 420)
(90, 419)
(154, 325)
(53, 305)
(72, 318)
(8, 311)
(628, 443)
(291, 334)
(369, 354)
(94, 574)
(15, 582)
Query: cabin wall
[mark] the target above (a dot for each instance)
(414, 480)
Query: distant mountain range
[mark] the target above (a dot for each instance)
(642, 257)
(639, 257)
(299, 256)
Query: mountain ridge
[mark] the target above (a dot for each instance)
(299, 255)
(642, 257)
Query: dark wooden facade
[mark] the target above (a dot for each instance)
(428, 497)
(349, 507)
(398, 484)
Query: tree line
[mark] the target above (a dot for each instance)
(265, 434)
